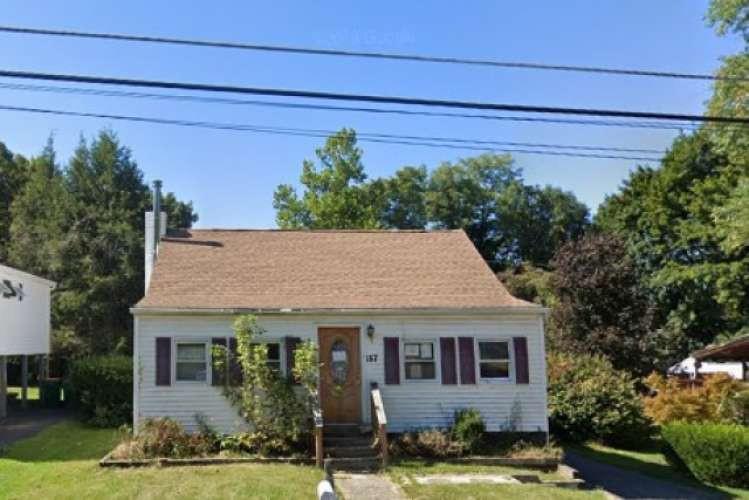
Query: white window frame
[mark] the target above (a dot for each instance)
(208, 360)
(435, 359)
(510, 361)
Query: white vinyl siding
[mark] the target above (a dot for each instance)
(409, 405)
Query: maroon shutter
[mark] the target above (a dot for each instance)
(291, 344)
(163, 361)
(235, 368)
(392, 361)
(467, 360)
(521, 360)
(447, 357)
(218, 377)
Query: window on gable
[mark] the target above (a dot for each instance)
(494, 360)
(419, 360)
(192, 362)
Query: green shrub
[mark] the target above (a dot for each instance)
(469, 428)
(101, 389)
(714, 453)
(590, 400)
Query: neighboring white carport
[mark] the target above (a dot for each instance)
(24, 322)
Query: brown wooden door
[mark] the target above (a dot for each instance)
(340, 375)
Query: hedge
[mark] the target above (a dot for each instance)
(100, 388)
(714, 453)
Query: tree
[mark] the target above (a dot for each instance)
(529, 283)
(729, 15)
(533, 222)
(600, 307)
(13, 172)
(83, 227)
(404, 198)
(336, 195)
(464, 195)
(666, 216)
(732, 220)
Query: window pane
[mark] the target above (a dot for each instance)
(495, 369)
(494, 350)
(190, 352)
(411, 351)
(274, 351)
(275, 366)
(191, 371)
(420, 371)
(427, 351)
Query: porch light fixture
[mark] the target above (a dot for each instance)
(370, 332)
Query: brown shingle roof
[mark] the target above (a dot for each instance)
(267, 269)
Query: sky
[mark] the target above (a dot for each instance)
(230, 176)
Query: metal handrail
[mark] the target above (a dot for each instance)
(379, 421)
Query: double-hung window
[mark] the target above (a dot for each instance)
(419, 360)
(274, 356)
(494, 360)
(192, 362)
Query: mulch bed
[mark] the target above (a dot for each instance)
(108, 461)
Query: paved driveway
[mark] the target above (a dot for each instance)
(625, 483)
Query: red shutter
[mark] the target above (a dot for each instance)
(218, 377)
(235, 368)
(392, 361)
(291, 344)
(447, 359)
(521, 360)
(467, 360)
(163, 361)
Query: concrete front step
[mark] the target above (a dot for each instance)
(350, 451)
(358, 464)
(337, 442)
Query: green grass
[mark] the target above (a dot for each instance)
(403, 472)
(61, 462)
(651, 462)
(32, 395)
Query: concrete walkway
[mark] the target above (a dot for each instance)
(367, 487)
(624, 483)
(20, 424)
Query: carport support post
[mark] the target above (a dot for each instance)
(24, 380)
(3, 388)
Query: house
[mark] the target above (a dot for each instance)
(417, 312)
(734, 352)
(692, 369)
(24, 323)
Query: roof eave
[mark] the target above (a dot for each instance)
(193, 311)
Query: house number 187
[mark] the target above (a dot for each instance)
(371, 358)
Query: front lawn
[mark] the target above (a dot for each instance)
(651, 462)
(61, 462)
(402, 472)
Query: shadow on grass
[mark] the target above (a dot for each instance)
(664, 472)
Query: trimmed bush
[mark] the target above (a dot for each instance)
(100, 388)
(714, 453)
(469, 428)
(590, 400)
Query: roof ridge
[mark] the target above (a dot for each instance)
(278, 230)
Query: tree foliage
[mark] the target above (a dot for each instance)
(82, 226)
(507, 220)
(600, 307)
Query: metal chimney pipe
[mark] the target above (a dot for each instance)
(156, 215)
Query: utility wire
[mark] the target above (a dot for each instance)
(320, 107)
(368, 55)
(307, 94)
(366, 137)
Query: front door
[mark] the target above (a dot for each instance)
(340, 375)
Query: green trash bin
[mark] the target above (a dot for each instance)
(50, 392)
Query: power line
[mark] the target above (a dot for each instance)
(316, 133)
(288, 105)
(368, 55)
(308, 94)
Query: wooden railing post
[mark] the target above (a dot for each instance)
(318, 446)
(379, 422)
